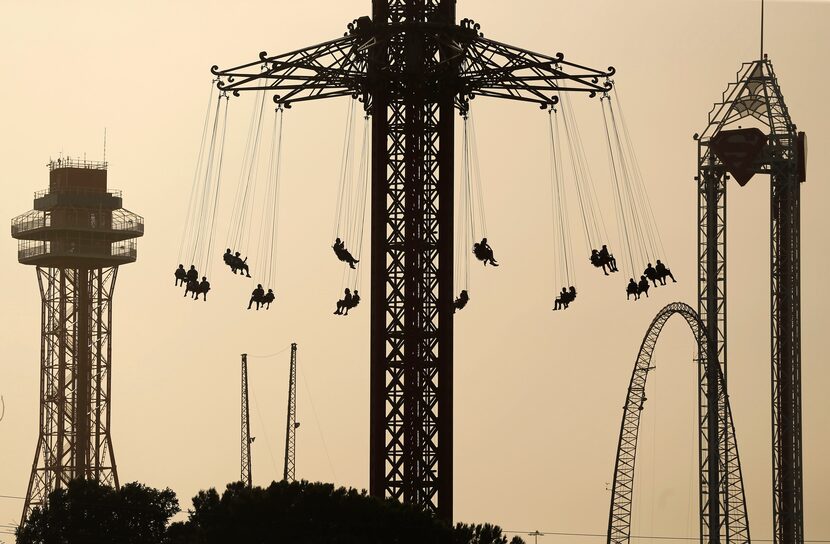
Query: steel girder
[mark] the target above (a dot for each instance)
(619, 522)
(756, 94)
(74, 438)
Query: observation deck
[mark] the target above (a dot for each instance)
(77, 222)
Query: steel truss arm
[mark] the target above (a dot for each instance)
(494, 69)
(326, 70)
(484, 68)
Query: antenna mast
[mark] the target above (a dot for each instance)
(762, 31)
(245, 476)
(291, 423)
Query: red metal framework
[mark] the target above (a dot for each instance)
(77, 236)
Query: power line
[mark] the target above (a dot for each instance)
(644, 537)
(271, 354)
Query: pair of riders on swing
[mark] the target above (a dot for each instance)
(348, 302)
(190, 280)
(651, 273)
(260, 297)
(236, 263)
(602, 258)
(565, 298)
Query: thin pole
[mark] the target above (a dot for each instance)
(245, 471)
(762, 30)
(288, 473)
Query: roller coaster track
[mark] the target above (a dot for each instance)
(730, 511)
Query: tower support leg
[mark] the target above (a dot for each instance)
(74, 438)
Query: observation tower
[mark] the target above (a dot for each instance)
(76, 236)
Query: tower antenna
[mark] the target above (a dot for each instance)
(762, 30)
(105, 137)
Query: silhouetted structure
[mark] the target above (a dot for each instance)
(411, 65)
(246, 475)
(76, 236)
(743, 153)
(710, 407)
(291, 423)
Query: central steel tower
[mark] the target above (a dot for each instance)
(412, 65)
(76, 236)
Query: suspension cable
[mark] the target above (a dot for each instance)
(187, 231)
(559, 208)
(622, 222)
(202, 211)
(212, 228)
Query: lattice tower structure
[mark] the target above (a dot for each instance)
(291, 423)
(246, 474)
(756, 97)
(76, 237)
(412, 65)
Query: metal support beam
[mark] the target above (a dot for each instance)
(291, 423)
(74, 438)
(246, 474)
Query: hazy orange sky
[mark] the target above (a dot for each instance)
(539, 394)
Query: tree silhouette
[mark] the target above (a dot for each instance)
(91, 513)
(316, 513)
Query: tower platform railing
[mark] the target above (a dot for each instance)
(117, 193)
(68, 162)
(120, 221)
(80, 248)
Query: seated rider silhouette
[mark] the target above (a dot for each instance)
(228, 257)
(256, 296)
(461, 301)
(181, 275)
(565, 297)
(238, 263)
(203, 289)
(268, 299)
(631, 289)
(343, 254)
(651, 274)
(607, 258)
(191, 287)
(345, 301)
(642, 287)
(602, 258)
(192, 274)
(484, 252)
(662, 272)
